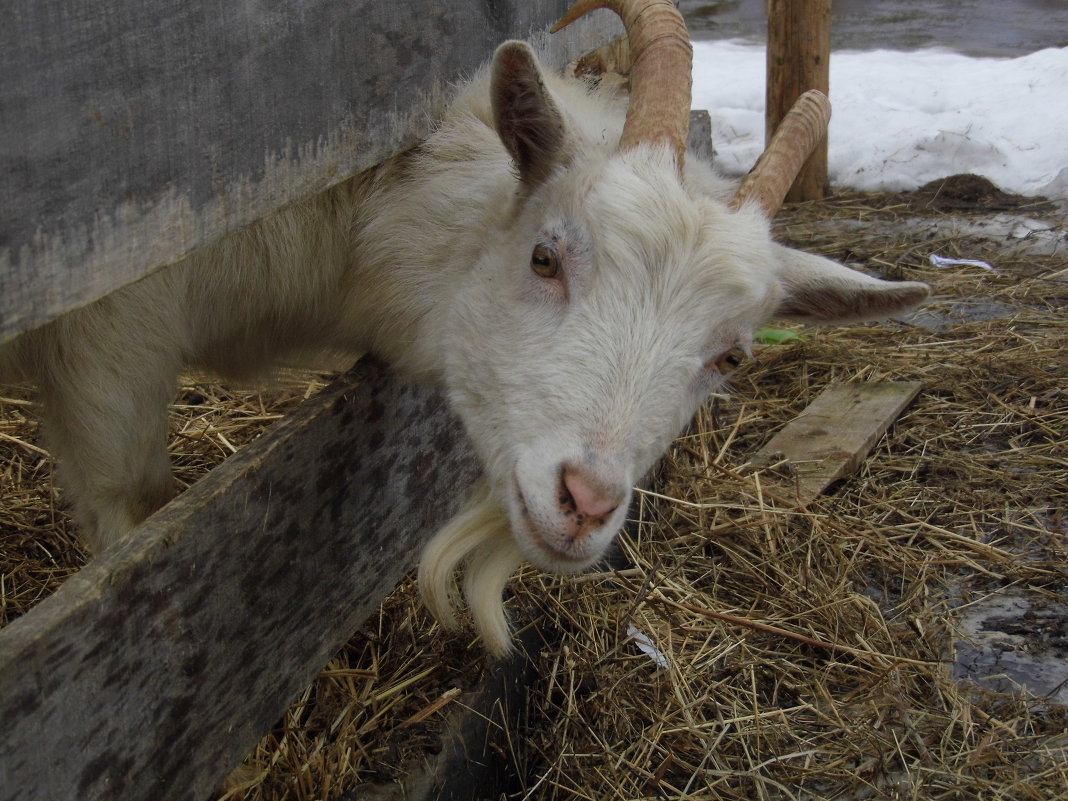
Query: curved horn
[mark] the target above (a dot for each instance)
(660, 75)
(800, 131)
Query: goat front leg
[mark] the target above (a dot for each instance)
(105, 393)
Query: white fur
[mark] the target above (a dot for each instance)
(426, 262)
(478, 538)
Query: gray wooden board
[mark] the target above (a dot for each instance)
(154, 670)
(833, 434)
(132, 132)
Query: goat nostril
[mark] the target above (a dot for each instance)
(588, 497)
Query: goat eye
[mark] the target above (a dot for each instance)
(545, 262)
(729, 360)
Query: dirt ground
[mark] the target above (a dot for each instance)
(902, 637)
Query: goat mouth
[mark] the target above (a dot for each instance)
(560, 561)
(552, 558)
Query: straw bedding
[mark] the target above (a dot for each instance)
(741, 649)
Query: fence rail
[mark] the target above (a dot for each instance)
(132, 132)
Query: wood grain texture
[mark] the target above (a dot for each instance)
(798, 59)
(833, 435)
(132, 133)
(153, 671)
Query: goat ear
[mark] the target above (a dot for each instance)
(527, 120)
(818, 290)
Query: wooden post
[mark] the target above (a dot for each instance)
(799, 51)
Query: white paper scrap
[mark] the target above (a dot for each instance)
(941, 261)
(645, 645)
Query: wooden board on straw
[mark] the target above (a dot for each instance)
(151, 672)
(834, 433)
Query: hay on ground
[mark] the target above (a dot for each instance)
(744, 650)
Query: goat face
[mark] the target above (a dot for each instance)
(614, 302)
(592, 326)
(613, 299)
(590, 333)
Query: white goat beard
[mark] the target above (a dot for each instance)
(480, 538)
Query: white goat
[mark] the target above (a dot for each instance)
(546, 256)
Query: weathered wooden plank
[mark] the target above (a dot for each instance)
(153, 671)
(834, 433)
(132, 132)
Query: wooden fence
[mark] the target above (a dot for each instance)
(132, 134)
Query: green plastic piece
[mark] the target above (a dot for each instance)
(775, 336)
